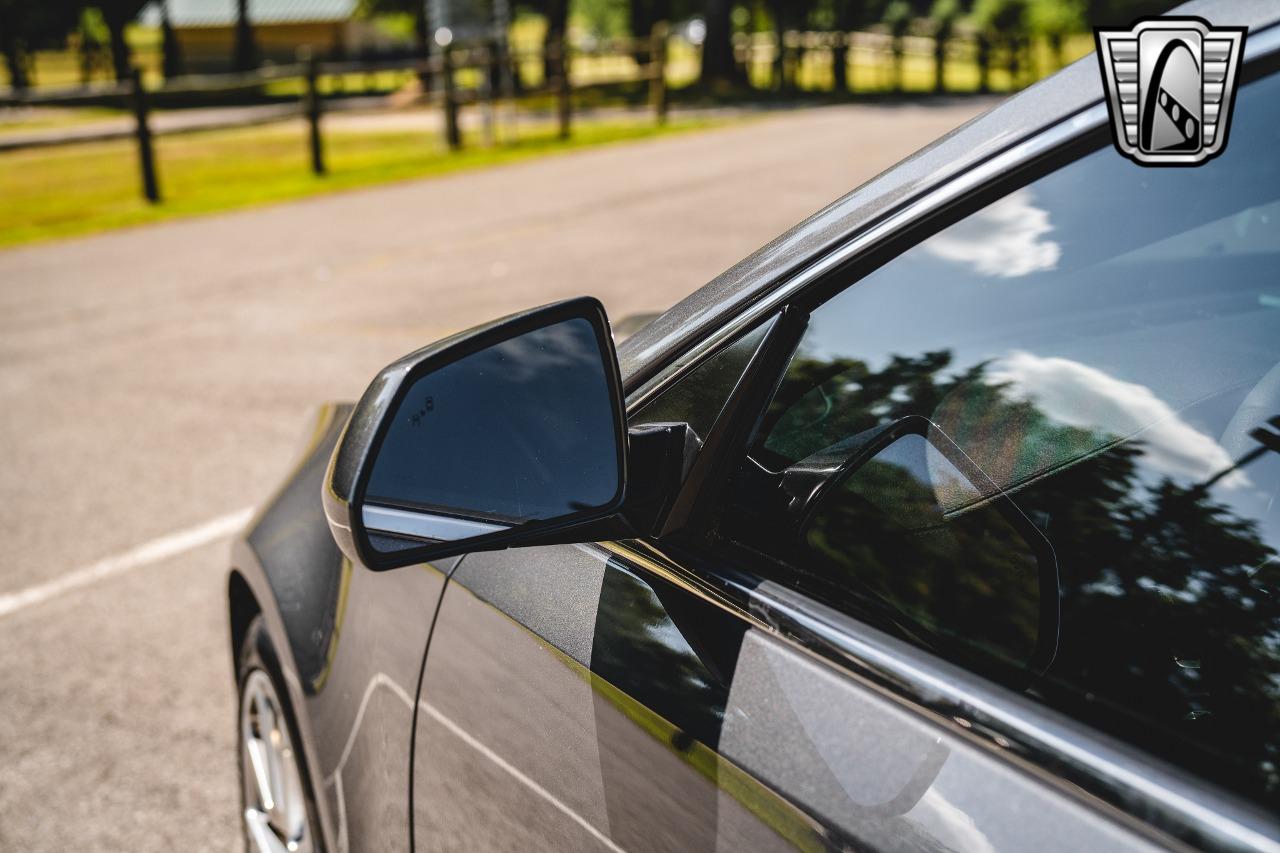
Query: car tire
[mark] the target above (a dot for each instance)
(277, 804)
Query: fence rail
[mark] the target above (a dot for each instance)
(462, 76)
(493, 64)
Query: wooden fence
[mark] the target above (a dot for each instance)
(439, 74)
(462, 76)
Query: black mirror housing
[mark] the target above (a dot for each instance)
(501, 435)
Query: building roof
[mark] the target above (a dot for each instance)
(222, 13)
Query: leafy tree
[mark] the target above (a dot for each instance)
(556, 13)
(643, 14)
(26, 27)
(1005, 23)
(898, 16)
(848, 16)
(718, 69)
(417, 9)
(421, 26)
(13, 27)
(1054, 20)
(117, 15)
(788, 15)
(92, 37)
(945, 14)
(603, 18)
(844, 21)
(1122, 13)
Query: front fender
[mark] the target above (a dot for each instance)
(296, 577)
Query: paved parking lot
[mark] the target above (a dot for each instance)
(154, 384)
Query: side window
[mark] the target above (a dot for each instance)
(1045, 443)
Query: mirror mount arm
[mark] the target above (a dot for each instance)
(658, 459)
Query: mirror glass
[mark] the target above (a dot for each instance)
(524, 430)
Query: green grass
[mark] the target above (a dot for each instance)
(65, 191)
(23, 119)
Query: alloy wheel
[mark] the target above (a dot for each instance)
(275, 808)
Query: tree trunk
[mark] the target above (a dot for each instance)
(939, 62)
(171, 51)
(840, 63)
(843, 50)
(421, 30)
(422, 42)
(984, 64)
(717, 48)
(121, 61)
(1055, 49)
(246, 56)
(87, 56)
(641, 18)
(780, 53)
(557, 25)
(16, 61)
(11, 46)
(15, 58)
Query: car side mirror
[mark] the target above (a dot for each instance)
(497, 436)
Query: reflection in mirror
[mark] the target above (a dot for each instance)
(521, 431)
(916, 517)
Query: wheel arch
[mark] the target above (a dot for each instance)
(242, 606)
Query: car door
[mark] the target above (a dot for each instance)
(979, 554)
(588, 697)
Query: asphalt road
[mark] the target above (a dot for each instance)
(154, 383)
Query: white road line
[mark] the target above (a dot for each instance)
(381, 679)
(520, 777)
(144, 554)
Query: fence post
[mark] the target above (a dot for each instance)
(451, 133)
(564, 90)
(311, 105)
(658, 70)
(146, 156)
(492, 72)
(984, 63)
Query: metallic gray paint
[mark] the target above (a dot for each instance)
(1109, 774)
(350, 643)
(886, 777)
(506, 756)
(552, 591)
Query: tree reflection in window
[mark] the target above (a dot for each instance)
(1170, 602)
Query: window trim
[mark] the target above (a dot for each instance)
(1052, 746)
(1159, 796)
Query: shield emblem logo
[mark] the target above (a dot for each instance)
(1171, 85)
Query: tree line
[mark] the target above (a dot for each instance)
(1009, 25)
